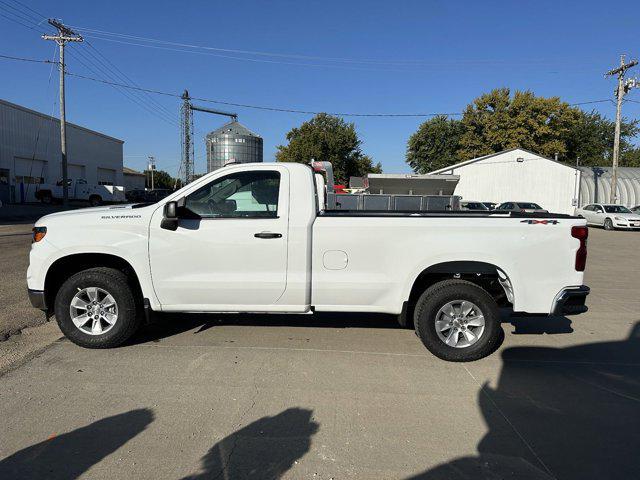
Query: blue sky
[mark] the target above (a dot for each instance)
(406, 57)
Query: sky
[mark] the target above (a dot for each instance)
(335, 56)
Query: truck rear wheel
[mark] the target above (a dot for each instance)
(458, 321)
(95, 200)
(96, 308)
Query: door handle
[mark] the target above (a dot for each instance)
(267, 235)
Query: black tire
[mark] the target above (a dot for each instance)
(95, 200)
(112, 281)
(608, 224)
(46, 198)
(437, 296)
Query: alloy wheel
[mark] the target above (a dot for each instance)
(459, 323)
(93, 310)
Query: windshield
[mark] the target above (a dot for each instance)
(529, 206)
(616, 209)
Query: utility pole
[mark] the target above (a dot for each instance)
(186, 129)
(65, 35)
(621, 90)
(186, 121)
(152, 167)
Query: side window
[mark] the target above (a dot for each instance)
(251, 194)
(598, 208)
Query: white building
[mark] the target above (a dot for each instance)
(132, 179)
(30, 153)
(518, 175)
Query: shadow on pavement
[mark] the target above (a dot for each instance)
(71, 454)
(540, 325)
(167, 325)
(264, 449)
(569, 413)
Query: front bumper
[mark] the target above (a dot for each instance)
(37, 299)
(570, 301)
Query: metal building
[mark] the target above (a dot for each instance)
(517, 175)
(595, 185)
(233, 142)
(30, 153)
(521, 175)
(133, 180)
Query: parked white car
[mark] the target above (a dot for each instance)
(260, 238)
(609, 216)
(80, 189)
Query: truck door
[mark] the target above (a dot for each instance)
(229, 251)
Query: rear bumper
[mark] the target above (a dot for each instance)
(37, 299)
(570, 301)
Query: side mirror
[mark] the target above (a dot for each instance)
(170, 217)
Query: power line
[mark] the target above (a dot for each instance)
(20, 14)
(279, 109)
(148, 104)
(82, 58)
(127, 38)
(245, 59)
(37, 14)
(22, 59)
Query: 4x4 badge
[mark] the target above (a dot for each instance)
(543, 222)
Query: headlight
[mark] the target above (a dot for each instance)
(620, 219)
(39, 233)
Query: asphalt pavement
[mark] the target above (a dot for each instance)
(16, 312)
(339, 396)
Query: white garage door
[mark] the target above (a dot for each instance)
(75, 171)
(27, 175)
(106, 176)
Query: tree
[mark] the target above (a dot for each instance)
(328, 138)
(631, 158)
(591, 139)
(434, 145)
(498, 121)
(162, 179)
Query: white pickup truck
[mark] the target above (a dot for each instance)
(259, 238)
(79, 189)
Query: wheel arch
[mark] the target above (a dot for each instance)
(484, 274)
(66, 266)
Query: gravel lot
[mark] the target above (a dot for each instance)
(337, 396)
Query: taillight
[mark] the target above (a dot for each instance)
(581, 233)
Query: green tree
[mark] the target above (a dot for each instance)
(162, 179)
(435, 144)
(591, 139)
(328, 138)
(498, 121)
(631, 158)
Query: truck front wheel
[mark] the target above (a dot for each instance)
(96, 308)
(45, 197)
(458, 321)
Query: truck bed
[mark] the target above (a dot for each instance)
(442, 213)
